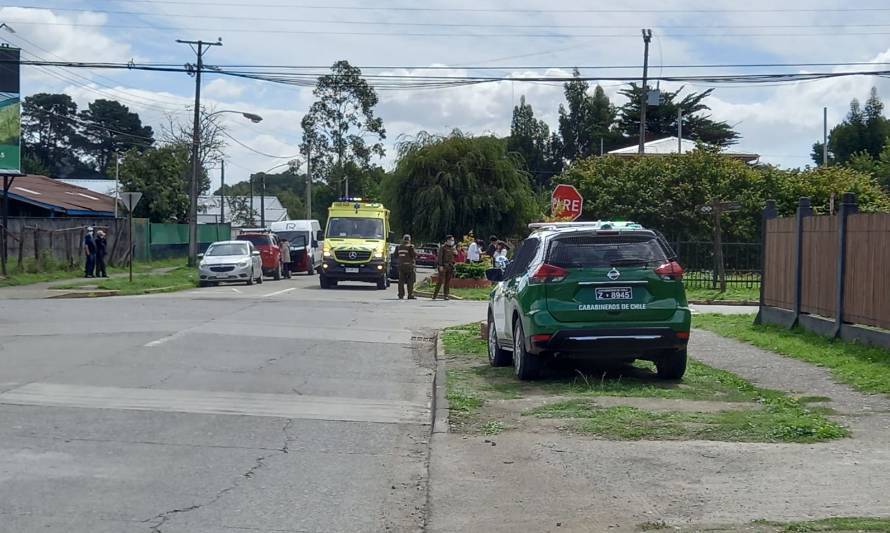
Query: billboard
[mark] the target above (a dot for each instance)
(10, 111)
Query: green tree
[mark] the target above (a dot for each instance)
(661, 119)
(162, 174)
(863, 130)
(531, 140)
(337, 126)
(456, 184)
(587, 120)
(878, 167)
(109, 127)
(50, 134)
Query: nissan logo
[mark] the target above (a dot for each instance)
(353, 255)
(613, 274)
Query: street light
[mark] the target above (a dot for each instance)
(193, 201)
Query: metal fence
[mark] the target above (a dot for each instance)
(741, 262)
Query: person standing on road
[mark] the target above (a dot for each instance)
(101, 249)
(445, 266)
(473, 254)
(284, 245)
(406, 257)
(89, 250)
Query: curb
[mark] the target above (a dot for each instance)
(170, 288)
(85, 294)
(440, 401)
(724, 302)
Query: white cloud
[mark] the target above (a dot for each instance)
(222, 88)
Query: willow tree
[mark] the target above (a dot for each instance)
(457, 184)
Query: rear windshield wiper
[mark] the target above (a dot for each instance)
(630, 261)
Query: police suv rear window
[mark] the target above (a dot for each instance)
(603, 251)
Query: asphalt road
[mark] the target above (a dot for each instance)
(277, 407)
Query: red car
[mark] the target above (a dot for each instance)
(270, 250)
(427, 254)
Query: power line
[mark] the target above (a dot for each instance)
(342, 7)
(509, 35)
(204, 16)
(254, 150)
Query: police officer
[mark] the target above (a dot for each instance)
(445, 265)
(406, 256)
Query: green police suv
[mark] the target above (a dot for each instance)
(603, 290)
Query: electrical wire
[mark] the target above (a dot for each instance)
(509, 35)
(254, 150)
(342, 7)
(204, 16)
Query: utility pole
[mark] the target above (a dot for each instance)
(222, 191)
(250, 181)
(601, 146)
(644, 98)
(824, 136)
(196, 144)
(117, 181)
(308, 181)
(7, 183)
(679, 130)
(263, 200)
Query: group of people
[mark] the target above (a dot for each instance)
(448, 255)
(95, 248)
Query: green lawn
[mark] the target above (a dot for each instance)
(733, 293)
(480, 293)
(866, 368)
(765, 415)
(174, 280)
(29, 274)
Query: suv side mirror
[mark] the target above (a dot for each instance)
(392, 236)
(200, 256)
(494, 275)
(255, 252)
(319, 235)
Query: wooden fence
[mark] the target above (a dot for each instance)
(834, 267)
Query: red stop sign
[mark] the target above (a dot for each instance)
(566, 202)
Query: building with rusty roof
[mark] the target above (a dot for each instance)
(40, 196)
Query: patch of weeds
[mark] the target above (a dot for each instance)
(492, 427)
(835, 524)
(652, 525)
(460, 398)
(781, 419)
(464, 341)
(866, 368)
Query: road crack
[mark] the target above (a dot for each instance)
(162, 518)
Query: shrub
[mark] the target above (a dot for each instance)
(470, 270)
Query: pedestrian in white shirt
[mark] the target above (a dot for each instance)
(473, 255)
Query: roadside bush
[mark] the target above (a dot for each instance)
(667, 192)
(470, 270)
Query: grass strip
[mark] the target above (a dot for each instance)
(866, 368)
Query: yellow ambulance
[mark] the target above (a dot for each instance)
(355, 243)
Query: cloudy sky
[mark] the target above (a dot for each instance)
(510, 38)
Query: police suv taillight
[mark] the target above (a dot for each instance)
(547, 273)
(670, 271)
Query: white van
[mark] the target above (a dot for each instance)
(302, 237)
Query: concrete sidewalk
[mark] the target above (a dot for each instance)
(554, 481)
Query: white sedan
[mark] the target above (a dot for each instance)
(230, 261)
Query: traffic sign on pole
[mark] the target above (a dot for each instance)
(130, 199)
(566, 203)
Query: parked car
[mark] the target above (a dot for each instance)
(427, 254)
(270, 250)
(302, 237)
(230, 261)
(600, 290)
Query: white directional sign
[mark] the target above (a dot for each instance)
(130, 199)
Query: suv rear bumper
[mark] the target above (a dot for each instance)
(596, 342)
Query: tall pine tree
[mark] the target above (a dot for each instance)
(530, 139)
